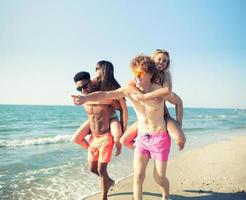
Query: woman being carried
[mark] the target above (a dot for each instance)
(105, 81)
(163, 77)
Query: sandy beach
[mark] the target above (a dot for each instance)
(216, 171)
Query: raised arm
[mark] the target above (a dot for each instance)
(176, 100)
(104, 102)
(100, 95)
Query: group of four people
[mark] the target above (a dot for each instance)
(149, 136)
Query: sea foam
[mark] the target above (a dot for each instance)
(35, 141)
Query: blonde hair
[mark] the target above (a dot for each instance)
(160, 78)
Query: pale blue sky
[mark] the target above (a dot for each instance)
(44, 43)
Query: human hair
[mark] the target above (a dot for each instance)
(81, 76)
(146, 64)
(106, 80)
(163, 73)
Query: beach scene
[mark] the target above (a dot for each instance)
(44, 44)
(43, 163)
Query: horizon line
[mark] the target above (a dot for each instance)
(189, 107)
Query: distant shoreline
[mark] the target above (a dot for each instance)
(213, 108)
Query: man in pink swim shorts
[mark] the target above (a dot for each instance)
(155, 145)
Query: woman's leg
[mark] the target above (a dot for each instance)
(129, 135)
(116, 131)
(175, 132)
(80, 133)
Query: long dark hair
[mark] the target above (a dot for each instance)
(106, 80)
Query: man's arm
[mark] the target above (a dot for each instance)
(100, 95)
(176, 100)
(103, 102)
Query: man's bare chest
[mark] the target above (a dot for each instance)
(94, 109)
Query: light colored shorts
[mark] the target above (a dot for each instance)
(100, 148)
(154, 145)
(114, 116)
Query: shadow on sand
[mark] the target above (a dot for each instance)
(203, 195)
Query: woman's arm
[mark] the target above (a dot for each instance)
(165, 90)
(156, 93)
(123, 114)
(138, 95)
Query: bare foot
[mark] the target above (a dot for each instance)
(111, 184)
(181, 145)
(118, 146)
(165, 198)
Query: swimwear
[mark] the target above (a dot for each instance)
(114, 116)
(154, 145)
(100, 147)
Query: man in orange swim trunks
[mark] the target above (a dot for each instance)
(101, 142)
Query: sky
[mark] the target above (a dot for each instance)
(43, 44)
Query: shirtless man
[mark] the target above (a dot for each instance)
(101, 142)
(153, 140)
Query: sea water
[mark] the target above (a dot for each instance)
(38, 160)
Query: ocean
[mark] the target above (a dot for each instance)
(39, 160)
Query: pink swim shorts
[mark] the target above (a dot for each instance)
(154, 145)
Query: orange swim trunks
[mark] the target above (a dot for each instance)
(100, 148)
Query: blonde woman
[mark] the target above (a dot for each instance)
(163, 77)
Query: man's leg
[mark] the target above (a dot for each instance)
(139, 165)
(160, 177)
(93, 167)
(103, 160)
(106, 181)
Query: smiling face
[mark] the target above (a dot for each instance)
(98, 71)
(143, 68)
(161, 61)
(84, 86)
(141, 77)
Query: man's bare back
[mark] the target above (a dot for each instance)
(99, 117)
